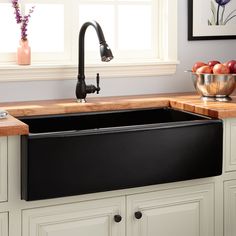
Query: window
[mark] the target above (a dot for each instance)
(141, 33)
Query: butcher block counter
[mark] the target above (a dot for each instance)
(183, 101)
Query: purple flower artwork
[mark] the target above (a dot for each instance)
(222, 2)
(20, 19)
(218, 13)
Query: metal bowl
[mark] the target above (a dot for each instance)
(214, 87)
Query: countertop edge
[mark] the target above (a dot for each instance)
(11, 126)
(190, 102)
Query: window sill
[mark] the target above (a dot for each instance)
(63, 72)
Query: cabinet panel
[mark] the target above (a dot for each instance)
(4, 224)
(77, 219)
(180, 212)
(230, 208)
(230, 147)
(3, 169)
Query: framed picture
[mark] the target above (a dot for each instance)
(211, 19)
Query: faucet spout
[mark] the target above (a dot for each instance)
(106, 55)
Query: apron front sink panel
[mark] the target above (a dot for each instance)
(74, 154)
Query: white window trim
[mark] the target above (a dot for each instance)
(64, 71)
(57, 72)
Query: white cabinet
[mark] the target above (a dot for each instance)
(185, 211)
(230, 208)
(92, 218)
(200, 207)
(4, 224)
(3, 169)
(230, 147)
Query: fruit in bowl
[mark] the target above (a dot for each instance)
(212, 63)
(214, 80)
(232, 66)
(197, 65)
(204, 70)
(215, 67)
(220, 69)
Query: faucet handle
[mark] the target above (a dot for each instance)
(92, 88)
(98, 81)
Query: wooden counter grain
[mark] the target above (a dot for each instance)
(193, 103)
(12, 126)
(64, 106)
(184, 101)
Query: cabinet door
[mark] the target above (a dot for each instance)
(185, 211)
(4, 224)
(229, 142)
(93, 218)
(230, 208)
(3, 169)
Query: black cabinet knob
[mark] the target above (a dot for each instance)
(117, 218)
(138, 215)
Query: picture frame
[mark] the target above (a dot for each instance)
(211, 19)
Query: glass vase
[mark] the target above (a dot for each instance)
(24, 53)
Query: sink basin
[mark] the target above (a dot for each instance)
(72, 154)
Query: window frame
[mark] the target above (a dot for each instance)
(62, 70)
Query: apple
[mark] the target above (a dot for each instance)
(232, 66)
(220, 69)
(204, 70)
(212, 63)
(197, 65)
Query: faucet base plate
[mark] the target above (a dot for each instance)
(81, 100)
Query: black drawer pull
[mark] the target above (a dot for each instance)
(117, 218)
(138, 215)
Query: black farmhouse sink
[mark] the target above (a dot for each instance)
(73, 154)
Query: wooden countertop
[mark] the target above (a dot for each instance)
(63, 106)
(184, 101)
(12, 126)
(193, 103)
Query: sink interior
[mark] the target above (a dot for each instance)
(96, 120)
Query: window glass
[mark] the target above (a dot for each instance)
(10, 31)
(127, 25)
(46, 27)
(137, 31)
(104, 15)
(134, 31)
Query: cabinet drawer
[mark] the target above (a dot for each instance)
(77, 219)
(230, 147)
(4, 224)
(3, 169)
(185, 211)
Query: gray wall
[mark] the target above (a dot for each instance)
(188, 53)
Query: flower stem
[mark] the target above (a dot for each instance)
(230, 19)
(226, 20)
(218, 14)
(222, 16)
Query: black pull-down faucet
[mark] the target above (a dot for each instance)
(106, 55)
